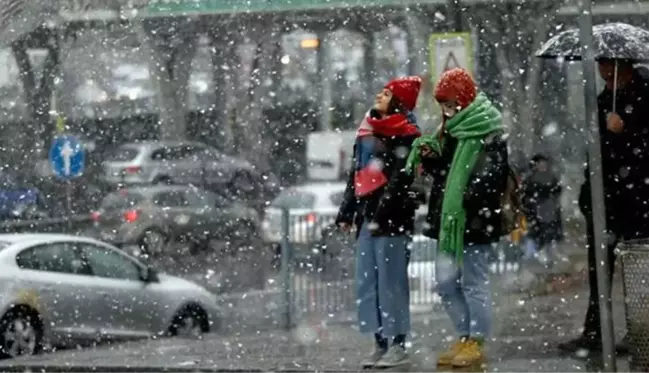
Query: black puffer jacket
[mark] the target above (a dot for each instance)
(393, 206)
(542, 205)
(482, 198)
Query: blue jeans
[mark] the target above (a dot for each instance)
(465, 291)
(383, 294)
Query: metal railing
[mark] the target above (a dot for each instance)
(74, 224)
(317, 268)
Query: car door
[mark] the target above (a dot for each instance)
(172, 163)
(196, 164)
(185, 166)
(127, 308)
(57, 281)
(179, 214)
(216, 171)
(201, 207)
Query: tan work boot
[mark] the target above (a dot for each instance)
(447, 357)
(471, 354)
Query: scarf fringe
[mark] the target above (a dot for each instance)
(451, 238)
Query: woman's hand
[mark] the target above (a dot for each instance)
(344, 227)
(426, 151)
(614, 123)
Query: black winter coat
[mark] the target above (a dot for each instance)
(542, 205)
(482, 197)
(625, 161)
(393, 206)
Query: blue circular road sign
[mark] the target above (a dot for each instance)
(67, 157)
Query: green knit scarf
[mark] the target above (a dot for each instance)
(469, 126)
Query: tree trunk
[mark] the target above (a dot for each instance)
(515, 39)
(170, 69)
(252, 122)
(38, 96)
(221, 77)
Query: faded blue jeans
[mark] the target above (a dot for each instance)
(465, 291)
(383, 294)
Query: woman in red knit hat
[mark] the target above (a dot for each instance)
(467, 158)
(378, 202)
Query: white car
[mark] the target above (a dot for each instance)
(312, 208)
(61, 290)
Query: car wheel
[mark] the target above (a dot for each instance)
(21, 333)
(191, 322)
(153, 242)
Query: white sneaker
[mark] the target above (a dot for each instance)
(396, 356)
(373, 357)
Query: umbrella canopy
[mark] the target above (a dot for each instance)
(20, 17)
(611, 41)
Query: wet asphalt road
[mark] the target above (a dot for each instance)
(220, 269)
(525, 335)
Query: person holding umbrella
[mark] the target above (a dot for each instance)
(623, 109)
(623, 115)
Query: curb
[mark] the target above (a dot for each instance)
(115, 369)
(29, 368)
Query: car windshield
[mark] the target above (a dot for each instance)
(295, 199)
(123, 154)
(121, 200)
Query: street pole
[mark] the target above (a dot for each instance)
(454, 10)
(597, 185)
(285, 271)
(68, 202)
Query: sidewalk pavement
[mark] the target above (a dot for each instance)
(260, 310)
(526, 332)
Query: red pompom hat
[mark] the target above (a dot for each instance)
(456, 85)
(406, 90)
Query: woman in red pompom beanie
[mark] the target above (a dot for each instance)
(467, 158)
(379, 202)
(455, 91)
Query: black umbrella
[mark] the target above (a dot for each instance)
(612, 41)
(618, 41)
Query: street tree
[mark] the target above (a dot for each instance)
(515, 30)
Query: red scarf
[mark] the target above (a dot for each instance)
(370, 177)
(392, 125)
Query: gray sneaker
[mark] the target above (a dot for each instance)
(396, 356)
(372, 358)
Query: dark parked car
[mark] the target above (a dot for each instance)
(19, 201)
(153, 216)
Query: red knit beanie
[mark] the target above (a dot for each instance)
(456, 85)
(406, 90)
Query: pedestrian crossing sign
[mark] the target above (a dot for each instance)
(451, 62)
(448, 51)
